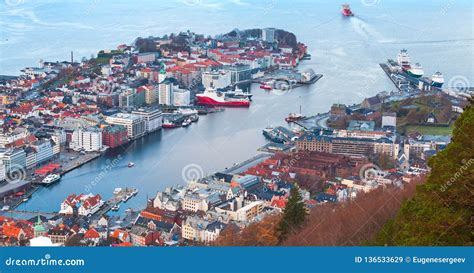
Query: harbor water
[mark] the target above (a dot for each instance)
(347, 51)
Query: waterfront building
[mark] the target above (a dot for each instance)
(239, 73)
(86, 139)
(30, 157)
(181, 97)
(82, 204)
(353, 146)
(152, 116)
(201, 200)
(114, 136)
(13, 158)
(216, 79)
(135, 124)
(44, 150)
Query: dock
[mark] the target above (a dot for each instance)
(237, 168)
(115, 200)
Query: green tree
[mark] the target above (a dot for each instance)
(293, 215)
(441, 211)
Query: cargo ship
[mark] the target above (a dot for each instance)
(346, 10)
(437, 80)
(212, 98)
(404, 62)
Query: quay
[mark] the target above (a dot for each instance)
(237, 168)
(114, 201)
(405, 83)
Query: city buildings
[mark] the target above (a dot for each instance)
(135, 124)
(86, 139)
(114, 136)
(152, 116)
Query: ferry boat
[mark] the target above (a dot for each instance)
(115, 207)
(437, 80)
(212, 98)
(186, 123)
(50, 179)
(131, 164)
(168, 124)
(292, 117)
(346, 10)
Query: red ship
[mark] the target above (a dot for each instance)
(346, 10)
(168, 124)
(212, 98)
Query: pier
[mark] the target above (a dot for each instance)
(114, 201)
(236, 168)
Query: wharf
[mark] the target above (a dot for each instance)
(71, 164)
(237, 168)
(115, 200)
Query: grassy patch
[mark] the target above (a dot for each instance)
(429, 130)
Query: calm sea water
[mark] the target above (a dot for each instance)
(438, 34)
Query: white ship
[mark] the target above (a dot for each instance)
(437, 80)
(50, 179)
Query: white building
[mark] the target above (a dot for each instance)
(135, 124)
(389, 119)
(216, 79)
(152, 116)
(87, 139)
(165, 93)
(268, 35)
(181, 97)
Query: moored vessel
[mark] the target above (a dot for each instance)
(437, 80)
(50, 179)
(212, 98)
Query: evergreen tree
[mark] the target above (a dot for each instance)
(293, 215)
(441, 211)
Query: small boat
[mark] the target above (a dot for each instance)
(194, 118)
(346, 10)
(134, 192)
(292, 117)
(266, 86)
(115, 208)
(117, 191)
(50, 179)
(124, 199)
(129, 210)
(25, 200)
(168, 124)
(186, 123)
(131, 164)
